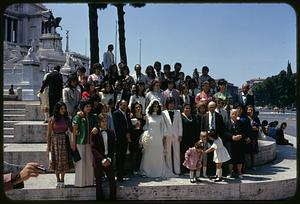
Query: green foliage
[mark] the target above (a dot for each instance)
(278, 90)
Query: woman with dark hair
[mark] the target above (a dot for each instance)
(125, 75)
(90, 90)
(138, 122)
(71, 95)
(58, 143)
(112, 75)
(97, 76)
(139, 96)
(150, 75)
(252, 147)
(153, 162)
(185, 98)
(189, 132)
(280, 140)
(154, 93)
(82, 127)
(107, 93)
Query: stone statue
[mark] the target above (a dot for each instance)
(15, 55)
(31, 54)
(50, 23)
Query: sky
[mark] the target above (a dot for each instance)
(237, 42)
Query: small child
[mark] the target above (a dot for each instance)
(220, 153)
(206, 145)
(193, 158)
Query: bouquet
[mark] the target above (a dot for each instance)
(145, 139)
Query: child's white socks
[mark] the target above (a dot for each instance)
(204, 172)
(219, 173)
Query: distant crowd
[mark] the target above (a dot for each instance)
(164, 123)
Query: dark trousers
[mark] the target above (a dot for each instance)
(120, 158)
(109, 171)
(53, 99)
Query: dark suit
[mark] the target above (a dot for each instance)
(249, 100)
(55, 82)
(98, 151)
(219, 125)
(122, 127)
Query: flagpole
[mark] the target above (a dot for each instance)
(116, 38)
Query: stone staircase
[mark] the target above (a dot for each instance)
(25, 141)
(12, 114)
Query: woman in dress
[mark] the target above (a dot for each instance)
(189, 134)
(154, 93)
(82, 127)
(139, 96)
(138, 123)
(153, 162)
(150, 76)
(107, 93)
(252, 147)
(58, 143)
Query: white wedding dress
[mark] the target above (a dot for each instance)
(153, 163)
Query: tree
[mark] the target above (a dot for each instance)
(93, 26)
(289, 70)
(278, 90)
(121, 24)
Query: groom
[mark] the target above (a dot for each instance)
(172, 135)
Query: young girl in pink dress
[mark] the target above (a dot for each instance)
(193, 159)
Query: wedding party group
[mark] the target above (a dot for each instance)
(164, 124)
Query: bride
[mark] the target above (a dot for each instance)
(153, 160)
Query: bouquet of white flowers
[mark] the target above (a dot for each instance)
(145, 139)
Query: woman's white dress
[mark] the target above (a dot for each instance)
(153, 160)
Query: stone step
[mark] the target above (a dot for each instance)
(8, 131)
(30, 132)
(23, 153)
(274, 181)
(14, 117)
(8, 138)
(14, 111)
(9, 124)
(13, 105)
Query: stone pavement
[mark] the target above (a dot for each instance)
(273, 181)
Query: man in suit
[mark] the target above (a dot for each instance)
(138, 75)
(158, 73)
(172, 135)
(122, 128)
(108, 57)
(245, 97)
(103, 149)
(172, 92)
(55, 82)
(212, 121)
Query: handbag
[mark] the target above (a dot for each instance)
(74, 153)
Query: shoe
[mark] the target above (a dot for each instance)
(240, 176)
(46, 121)
(218, 179)
(198, 179)
(192, 180)
(212, 177)
(204, 176)
(229, 176)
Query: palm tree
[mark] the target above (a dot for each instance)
(121, 24)
(94, 38)
(93, 23)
